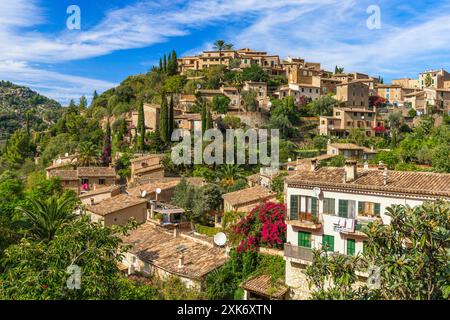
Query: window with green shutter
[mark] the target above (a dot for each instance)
(329, 206)
(328, 242)
(294, 207)
(304, 239)
(377, 209)
(351, 245)
(343, 208)
(314, 207)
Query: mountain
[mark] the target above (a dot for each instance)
(18, 102)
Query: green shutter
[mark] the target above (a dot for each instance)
(328, 242)
(314, 210)
(351, 247)
(343, 208)
(294, 207)
(304, 239)
(377, 209)
(360, 207)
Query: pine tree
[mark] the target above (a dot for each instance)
(164, 120)
(141, 128)
(171, 119)
(72, 107)
(83, 103)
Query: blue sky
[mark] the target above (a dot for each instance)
(121, 38)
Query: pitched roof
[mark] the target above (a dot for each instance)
(100, 190)
(114, 204)
(64, 174)
(346, 146)
(96, 172)
(249, 195)
(147, 156)
(404, 182)
(263, 285)
(163, 183)
(160, 248)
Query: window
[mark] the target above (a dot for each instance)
(294, 207)
(311, 205)
(351, 247)
(368, 208)
(84, 181)
(328, 242)
(304, 239)
(347, 209)
(101, 181)
(329, 206)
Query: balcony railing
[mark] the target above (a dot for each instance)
(304, 220)
(296, 252)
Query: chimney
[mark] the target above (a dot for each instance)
(175, 232)
(366, 166)
(180, 261)
(385, 176)
(381, 166)
(92, 201)
(350, 170)
(314, 164)
(152, 208)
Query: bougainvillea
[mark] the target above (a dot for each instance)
(263, 226)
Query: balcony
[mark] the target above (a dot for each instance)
(306, 221)
(298, 253)
(360, 224)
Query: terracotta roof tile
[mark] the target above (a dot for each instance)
(248, 195)
(263, 285)
(114, 204)
(96, 172)
(64, 174)
(404, 182)
(162, 249)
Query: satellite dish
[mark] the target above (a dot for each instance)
(158, 190)
(317, 191)
(289, 159)
(143, 194)
(220, 239)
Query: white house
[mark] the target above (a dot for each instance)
(328, 207)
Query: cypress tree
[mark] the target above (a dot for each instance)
(164, 120)
(171, 119)
(165, 63)
(204, 115)
(160, 64)
(175, 62)
(141, 128)
(208, 122)
(94, 97)
(106, 152)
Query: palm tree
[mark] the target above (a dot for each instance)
(229, 173)
(220, 46)
(88, 154)
(428, 80)
(45, 217)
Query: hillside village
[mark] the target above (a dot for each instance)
(351, 147)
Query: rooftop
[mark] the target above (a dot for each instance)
(163, 183)
(263, 285)
(404, 182)
(249, 195)
(100, 190)
(346, 146)
(114, 204)
(162, 249)
(64, 174)
(147, 157)
(96, 172)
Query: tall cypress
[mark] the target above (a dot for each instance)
(106, 152)
(141, 128)
(208, 121)
(204, 115)
(164, 120)
(175, 62)
(165, 63)
(171, 119)
(160, 64)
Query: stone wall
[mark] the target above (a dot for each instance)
(297, 281)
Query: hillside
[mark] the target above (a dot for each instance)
(16, 102)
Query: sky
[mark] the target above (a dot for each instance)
(121, 38)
